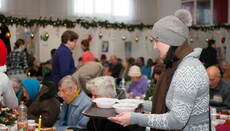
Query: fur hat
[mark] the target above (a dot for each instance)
(173, 30)
(3, 53)
(134, 71)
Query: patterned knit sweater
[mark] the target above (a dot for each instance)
(187, 100)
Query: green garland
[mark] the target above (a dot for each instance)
(7, 117)
(87, 24)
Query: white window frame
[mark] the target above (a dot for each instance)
(195, 9)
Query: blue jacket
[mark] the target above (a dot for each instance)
(75, 117)
(147, 71)
(63, 63)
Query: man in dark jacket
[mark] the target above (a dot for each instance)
(209, 55)
(115, 65)
(63, 62)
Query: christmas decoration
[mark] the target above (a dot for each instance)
(123, 38)
(100, 35)
(7, 35)
(151, 39)
(45, 36)
(137, 38)
(7, 116)
(90, 37)
(223, 40)
(87, 24)
(32, 35)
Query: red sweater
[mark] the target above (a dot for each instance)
(87, 56)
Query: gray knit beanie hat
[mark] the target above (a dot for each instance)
(173, 30)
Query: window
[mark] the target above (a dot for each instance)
(102, 7)
(121, 9)
(203, 12)
(207, 12)
(83, 7)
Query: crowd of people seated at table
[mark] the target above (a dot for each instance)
(60, 92)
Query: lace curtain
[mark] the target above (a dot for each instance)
(112, 10)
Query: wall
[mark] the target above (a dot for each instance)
(199, 40)
(143, 48)
(116, 45)
(166, 7)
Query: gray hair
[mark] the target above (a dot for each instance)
(15, 82)
(104, 85)
(69, 80)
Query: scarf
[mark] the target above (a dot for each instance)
(75, 96)
(158, 101)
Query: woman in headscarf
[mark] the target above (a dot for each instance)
(42, 101)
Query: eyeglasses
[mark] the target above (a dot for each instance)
(63, 91)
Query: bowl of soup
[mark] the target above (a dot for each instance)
(105, 102)
(131, 101)
(124, 107)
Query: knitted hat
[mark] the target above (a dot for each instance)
(3, 53)
(173, 30)
(134, 71)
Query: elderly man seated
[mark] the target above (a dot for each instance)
(219, 90)
(75, 102)
(104, 86)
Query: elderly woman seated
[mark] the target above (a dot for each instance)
(41, 100)
(104, 86)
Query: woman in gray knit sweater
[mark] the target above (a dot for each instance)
(181, 99)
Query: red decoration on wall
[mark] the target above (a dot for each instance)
(90, 37)
(223, 40)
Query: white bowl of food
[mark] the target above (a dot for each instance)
(105, 102)
(124, 107)
(224, 117)
(131, 101)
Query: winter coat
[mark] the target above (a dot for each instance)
(45, 104)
